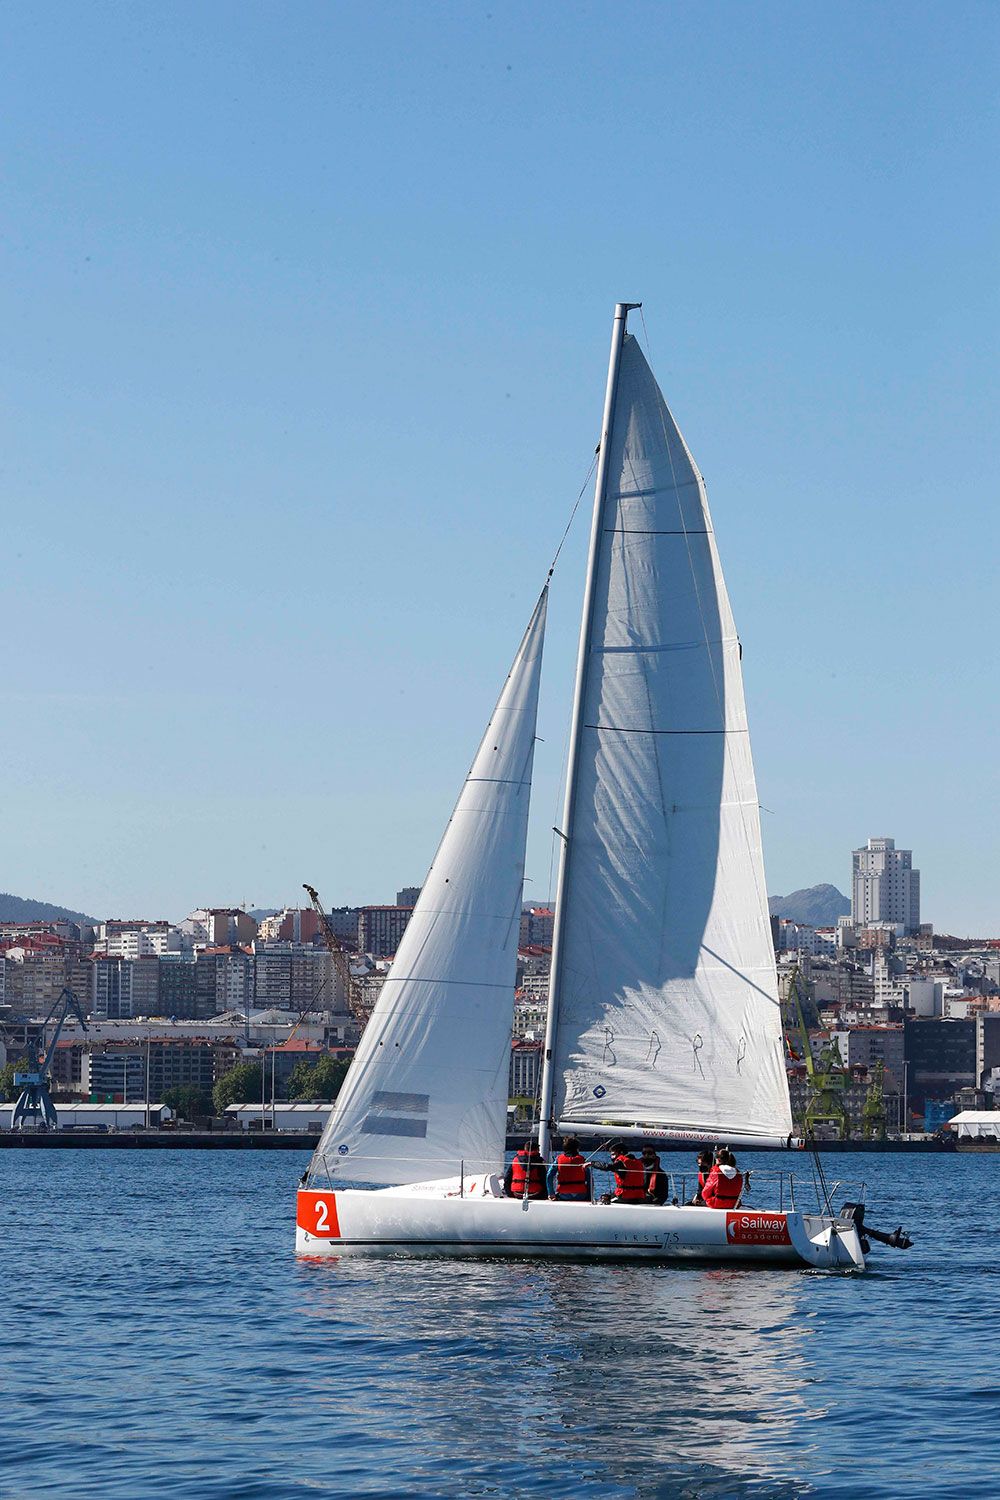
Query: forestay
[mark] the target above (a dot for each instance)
(667, 1010)
(428, 1086)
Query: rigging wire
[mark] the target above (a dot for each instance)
(552, 567)
(572, 514)
(645, 335)
(560, 799)
(818, 1168)
(560, 790)
(532, 1132)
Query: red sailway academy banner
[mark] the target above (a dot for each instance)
(751, 1227)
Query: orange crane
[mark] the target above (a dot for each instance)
(341, 958)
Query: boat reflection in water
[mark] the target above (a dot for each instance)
(618, 1380)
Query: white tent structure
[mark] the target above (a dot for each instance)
(84, 1116)
(295, 1116)
(976, 1125)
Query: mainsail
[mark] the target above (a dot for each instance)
(428, 1086)
(664, 1008)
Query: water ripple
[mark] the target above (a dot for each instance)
(162, 1337)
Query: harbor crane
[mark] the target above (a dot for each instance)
(873, 1116)
(34, 1105)
(826, 1075)
(341, 958)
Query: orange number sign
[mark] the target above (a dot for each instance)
(317, 1214)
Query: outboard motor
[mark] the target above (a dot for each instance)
(897, 1239)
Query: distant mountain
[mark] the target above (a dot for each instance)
(816, 906)
(16, 909)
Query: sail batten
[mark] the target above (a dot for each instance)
(427, 1089)
(665, 1007)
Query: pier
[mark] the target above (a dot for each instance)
(307, 1140)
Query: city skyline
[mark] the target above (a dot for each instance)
(884, 890)
(307, 333)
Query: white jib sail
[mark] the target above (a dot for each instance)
(427, 1088)
(667, 1013)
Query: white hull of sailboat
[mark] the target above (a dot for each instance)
(432, 1220)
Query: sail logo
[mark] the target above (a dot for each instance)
(757, 1229)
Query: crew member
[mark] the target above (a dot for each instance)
(724, 1183)
(657, 1181)
(705, 1163)
(525, 1177)
(630, 1179)
(568, 1178)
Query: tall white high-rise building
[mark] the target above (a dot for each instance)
(885, 887)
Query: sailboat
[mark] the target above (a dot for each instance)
(664, 1018)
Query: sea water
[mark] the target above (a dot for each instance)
(161, 1339)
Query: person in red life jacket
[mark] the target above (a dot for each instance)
(657, 1181)
(568, 1178)
(705, 1163)
(630, 1178)
(525, 1177)
(725, 1183)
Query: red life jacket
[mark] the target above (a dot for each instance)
(630, 1179)
(571, 1175)
(530, 1170)
(721, 1191)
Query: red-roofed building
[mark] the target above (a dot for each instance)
(537, 924)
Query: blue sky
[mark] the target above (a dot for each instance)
(306, 311)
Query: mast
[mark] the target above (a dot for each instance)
(622, 310)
